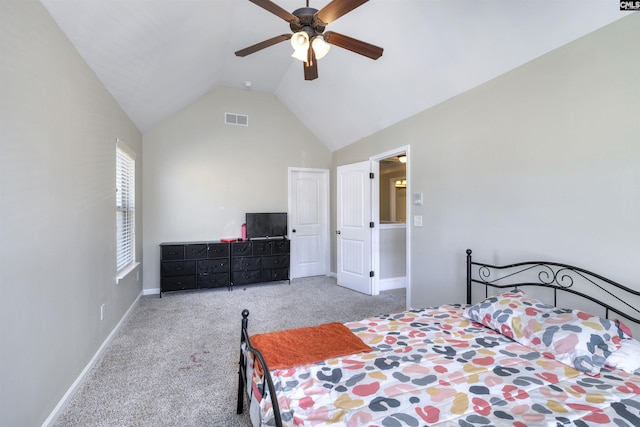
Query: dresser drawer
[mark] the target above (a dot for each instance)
(177, 268)
(246, 263)
(261, 247)
(217, 280)
(274, 274)
(209, 266)
(244, 277)
(275, 261)
(196, 251)
(178, 283)
(279, 247)
(240, 249)
(172, 252)
(218, 250)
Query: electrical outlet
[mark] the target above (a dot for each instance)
(102, 311)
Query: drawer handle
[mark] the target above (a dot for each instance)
(178, 268)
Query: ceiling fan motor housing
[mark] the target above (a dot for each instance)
(307, 22)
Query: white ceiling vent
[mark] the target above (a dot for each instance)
(236, 119)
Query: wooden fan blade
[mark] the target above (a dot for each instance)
(276, 10)
(311, 66)
(354, 45)
(337, 8)
(259, 46)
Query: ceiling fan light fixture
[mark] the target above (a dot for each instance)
(300, 44)
(300, 41)
(300, 54)
(307, 37)
(320, 47)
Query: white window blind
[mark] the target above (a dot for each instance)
(125, 205)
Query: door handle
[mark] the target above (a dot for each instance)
(337, 231)
(293, 231)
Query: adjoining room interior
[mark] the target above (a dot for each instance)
(518, 121)
(393, 222)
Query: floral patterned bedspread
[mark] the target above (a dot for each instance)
(433, 367)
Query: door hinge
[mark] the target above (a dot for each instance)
(371, 274)
(371, 224)
(371, 175)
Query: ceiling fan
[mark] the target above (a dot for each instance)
(309, 40)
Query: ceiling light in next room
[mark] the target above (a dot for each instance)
(402, 158)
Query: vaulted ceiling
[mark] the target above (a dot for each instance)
(158, 56)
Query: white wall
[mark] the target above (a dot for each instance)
(393, 251)
(58, 128)
(540, 163)
(201, 176)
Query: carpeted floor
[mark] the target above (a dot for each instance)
(174, 361)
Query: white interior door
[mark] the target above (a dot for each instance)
(309, 222)
(354, 213)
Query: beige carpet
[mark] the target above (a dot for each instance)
(174, 362)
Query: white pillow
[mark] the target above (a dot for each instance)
(627, 357)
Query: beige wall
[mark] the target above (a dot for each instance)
(57, 214)
(541, 162)
(393, 251)
(201, 176)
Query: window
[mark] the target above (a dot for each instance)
(125, 206)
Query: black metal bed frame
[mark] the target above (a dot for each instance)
(267, 381)
(557, 276)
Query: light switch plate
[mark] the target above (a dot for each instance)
(417, 199)
(417, 220)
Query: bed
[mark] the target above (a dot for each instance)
(510, 359)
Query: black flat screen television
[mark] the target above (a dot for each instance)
(261, 225)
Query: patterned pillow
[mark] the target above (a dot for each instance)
(627, 357)
(513, 314)
(573, 337)
(577, 339)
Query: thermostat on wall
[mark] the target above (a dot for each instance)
(417, 199)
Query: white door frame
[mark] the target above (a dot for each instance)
(375, 197)
(326, 237)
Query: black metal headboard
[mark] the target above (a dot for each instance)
(559, 277)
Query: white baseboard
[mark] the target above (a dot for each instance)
(51, 419)
(154, 291)
(393, 283)
(386, 284)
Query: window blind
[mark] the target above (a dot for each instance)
(125, 206)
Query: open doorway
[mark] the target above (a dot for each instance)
(392, 233)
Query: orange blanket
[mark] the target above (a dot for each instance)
(284, 349)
